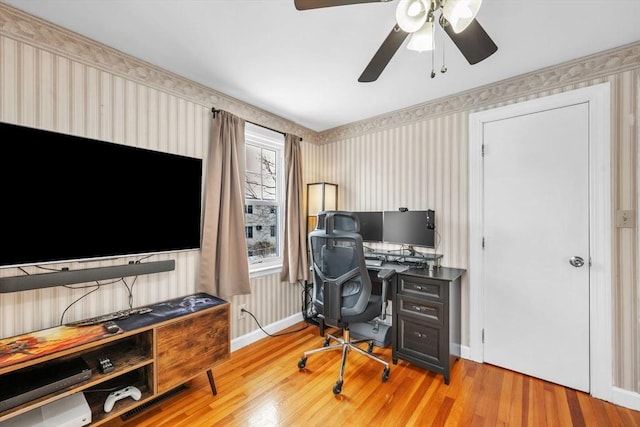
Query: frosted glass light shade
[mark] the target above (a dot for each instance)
(422, 40)
(412, 14)
(460, 13)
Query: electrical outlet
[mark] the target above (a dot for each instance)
(241, 313)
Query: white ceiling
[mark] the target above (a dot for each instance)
(304, 65)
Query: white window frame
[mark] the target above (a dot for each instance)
(258, 136)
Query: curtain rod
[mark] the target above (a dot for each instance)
(215, 111)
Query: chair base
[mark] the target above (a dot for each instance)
(345, 344)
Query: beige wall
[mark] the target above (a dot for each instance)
(55, 79)
(418, 158)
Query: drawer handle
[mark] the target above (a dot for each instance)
(422, 309)
(418, 287)
(419, 335)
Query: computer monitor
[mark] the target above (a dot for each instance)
(415, 228)
(370, 226)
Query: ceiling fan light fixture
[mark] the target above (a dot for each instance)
(422, 40)
(460, 13)
(412, 14)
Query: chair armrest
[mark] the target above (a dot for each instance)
(385, 275)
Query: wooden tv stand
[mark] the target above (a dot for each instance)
(185, 337)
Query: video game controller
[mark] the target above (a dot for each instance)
(129, 391)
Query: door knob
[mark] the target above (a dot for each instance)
(576, 261)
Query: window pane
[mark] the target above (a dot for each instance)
(263, 242)
(252, 158)
(253, 187)
(268, 162)
(268, 187)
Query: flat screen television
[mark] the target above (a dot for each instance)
(370, 226)
(68, 198)
(415, 228)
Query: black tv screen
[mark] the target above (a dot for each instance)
(67, 198)
(410, 228)
(370, 225)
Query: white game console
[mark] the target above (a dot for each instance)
(70, 411)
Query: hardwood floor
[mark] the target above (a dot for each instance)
(261, 386)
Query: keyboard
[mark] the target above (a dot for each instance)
(378, 264)
(398, 268)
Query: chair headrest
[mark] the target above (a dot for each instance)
(331, 221)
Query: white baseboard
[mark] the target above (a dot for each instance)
(620, 397)
(258, 334)
(626, 398)
(465, 352)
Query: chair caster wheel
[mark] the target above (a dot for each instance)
(302, 363)
(370, 348)
(337, 388)
(385, 375)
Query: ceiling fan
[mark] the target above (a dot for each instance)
(416, 17)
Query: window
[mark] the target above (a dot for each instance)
(248, 231)
(264, 196)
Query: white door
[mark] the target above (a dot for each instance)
(536, 230)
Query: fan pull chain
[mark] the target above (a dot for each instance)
(433, 50)
(444, 67)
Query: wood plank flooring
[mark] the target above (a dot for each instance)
(261, 386)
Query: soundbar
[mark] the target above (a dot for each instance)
(21, 387)
(68, 277)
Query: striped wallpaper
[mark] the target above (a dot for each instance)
(46, 90)
(55, 79)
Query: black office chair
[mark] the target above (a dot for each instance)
(342, 286)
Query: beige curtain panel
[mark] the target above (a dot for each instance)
(295, 264)
(224, 270)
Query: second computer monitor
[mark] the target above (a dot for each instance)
(410, 228)
(370, 226)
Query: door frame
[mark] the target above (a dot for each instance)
(600, 232)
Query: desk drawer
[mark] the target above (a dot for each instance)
(422, 288)
(421, 341)
(427, 310)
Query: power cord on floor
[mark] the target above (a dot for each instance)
(244, 310)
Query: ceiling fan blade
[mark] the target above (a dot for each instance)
(474, 42)
(384, 54)
(317, 4)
